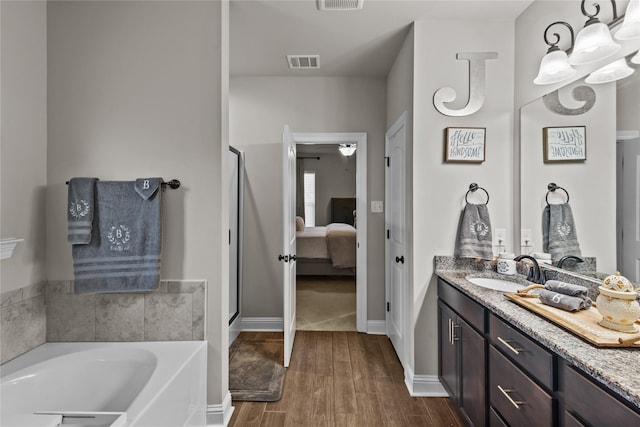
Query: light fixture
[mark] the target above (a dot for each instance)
(594, 41)
(636, 58)
(347, 149)
(609, 73)
(555, 67)
(630, 28)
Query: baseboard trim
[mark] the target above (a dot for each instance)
(376, 327)
(219, 415)
(423, 385)
(263, 324)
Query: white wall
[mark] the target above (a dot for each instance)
(137, 89)
(259, 109)
(439, 188)
(23, 139)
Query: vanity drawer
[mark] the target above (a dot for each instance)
(495, 420)
(472, 312)
(527, 354)
(586, 400)
(518, 399)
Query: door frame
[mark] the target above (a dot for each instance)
(360, 139)
(401, 122)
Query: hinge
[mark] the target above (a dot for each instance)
(388, 234)
(388, 161)
(388, 306)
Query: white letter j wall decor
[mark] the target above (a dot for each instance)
(476, 86)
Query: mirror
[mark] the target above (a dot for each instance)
(603, 194)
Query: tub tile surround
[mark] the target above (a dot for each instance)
(173, 312)
(616, 368)
(22, 321)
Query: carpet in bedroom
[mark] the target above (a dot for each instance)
(256, 367)
(325, 303)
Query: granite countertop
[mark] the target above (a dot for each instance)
(616, 368)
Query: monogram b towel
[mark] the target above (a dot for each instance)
(559, 236)
(80, 199)
(125, 256)
(474, 233)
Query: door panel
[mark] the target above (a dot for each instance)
(396, 263)
(289, 240)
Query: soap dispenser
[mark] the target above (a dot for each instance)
(506, 265)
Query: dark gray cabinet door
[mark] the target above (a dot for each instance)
(448, 357)
(472, 372)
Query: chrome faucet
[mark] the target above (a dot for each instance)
(564, 258)
(535, 275)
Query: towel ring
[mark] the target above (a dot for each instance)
(553, 187)
(474, 187)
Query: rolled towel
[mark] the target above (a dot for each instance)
(80, 199)
(564, 302)
(566, 288)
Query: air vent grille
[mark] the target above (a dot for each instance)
(339, 4)
(303, 61)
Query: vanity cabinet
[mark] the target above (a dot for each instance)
(584, 403)
(498, 376)
(462, 357)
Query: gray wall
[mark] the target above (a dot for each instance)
(335, 177)
(259, 109)
(439, 188)
(24, 140)
(138, 89)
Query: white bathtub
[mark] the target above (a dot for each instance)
(152, 384)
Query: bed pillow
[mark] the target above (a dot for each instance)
(299, 223)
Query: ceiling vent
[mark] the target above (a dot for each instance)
(303, 61)
(339, 4)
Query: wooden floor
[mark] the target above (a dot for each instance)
(344, 379)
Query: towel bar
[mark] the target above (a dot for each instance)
(553, 187)
(173, 184)
(474, 187)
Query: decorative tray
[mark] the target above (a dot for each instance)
(583, 323)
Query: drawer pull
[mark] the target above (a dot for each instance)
(506, 394)
(509, 346)
(450, 329)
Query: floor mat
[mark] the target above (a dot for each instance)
(256, 372)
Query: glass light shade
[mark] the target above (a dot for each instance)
(609, 73)
(347, 149)
(593, 43)
(630, 28)
(636, 58)
(554, 68)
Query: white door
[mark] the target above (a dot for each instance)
(629, 263)
(396, 262)
(288, 256)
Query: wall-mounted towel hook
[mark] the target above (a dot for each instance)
(553, 187)
(474, 187)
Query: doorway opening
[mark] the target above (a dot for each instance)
(333, 193)
(326, 227)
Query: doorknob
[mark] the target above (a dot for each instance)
(284, 258)
(293, 257)
(400, 259)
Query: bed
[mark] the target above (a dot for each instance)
(326, 250)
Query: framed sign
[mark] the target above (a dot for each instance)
(464, 145)
(564, 144)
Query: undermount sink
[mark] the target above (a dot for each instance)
(496, 284)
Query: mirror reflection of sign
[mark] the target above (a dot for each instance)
(566, 143)
(465, 144)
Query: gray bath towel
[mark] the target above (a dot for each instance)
(564, 302)
(80, 199)
(124, 255)
(559, 236)
(474, 233)
(566, 288)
